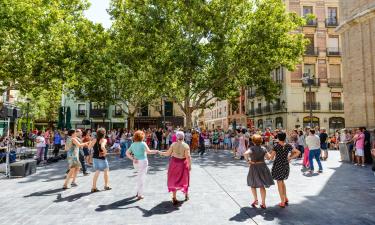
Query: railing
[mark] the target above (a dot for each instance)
(311, 51)
(267, 109)
(331, 22)
(334, 82)
(98, 113)
(312, 105)
(339, 106)
(333, 51)
(277, 107)
(259, 111)
(117, 114)
(311, 23)
(81, 113)
(251, 112)
(251, 94)
(315, 82)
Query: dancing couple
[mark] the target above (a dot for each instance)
(179, 164)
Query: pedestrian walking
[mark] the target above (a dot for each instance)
(100, 162)
(138, 154)
(179, 167)
(313, 143)
(280, 169)
(323, 136)
(72, 146)
(259, 176)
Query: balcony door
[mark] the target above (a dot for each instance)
(310, 49)
(168, 108)
(332, 15)
(307, 10)
(310, 96)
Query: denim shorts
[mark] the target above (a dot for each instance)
(324, 146)
(100, 164)
(86, 152)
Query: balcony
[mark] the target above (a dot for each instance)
(335, 83)
(311, 51)
(311, 23)
(277, 107)
(116, 114)
(315, 82)
(259, 111)
(336, 106)
(251, 112)
(333, 52)
(331, 22)
(267, 109)
(81, 113)
(313, 106)
(98, 113)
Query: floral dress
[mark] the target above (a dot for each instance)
(72, 154)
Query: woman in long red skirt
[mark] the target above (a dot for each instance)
(179, 167)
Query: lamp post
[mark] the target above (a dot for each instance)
(27, 120)
(309, 81)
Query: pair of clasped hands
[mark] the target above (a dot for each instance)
(135, 161)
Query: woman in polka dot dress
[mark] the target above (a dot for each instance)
(280, 168)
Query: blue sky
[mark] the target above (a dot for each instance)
(97, 12)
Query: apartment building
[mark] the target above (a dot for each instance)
(321, 62)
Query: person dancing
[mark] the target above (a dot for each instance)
(179, 167)
(138, 154)
(280, 168)
(259, 175)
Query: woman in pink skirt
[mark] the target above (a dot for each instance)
(179, 167)
(306, 151)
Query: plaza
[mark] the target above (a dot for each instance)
(343, 194)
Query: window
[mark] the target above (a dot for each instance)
(309, 69)
(95, 105)
(333, 45)
(310, 49)
(332, 16)
(307, 10)
(118, 110)
(279, 122)
(144, 110)
(335, 72)
(310, 96)
(168, 108)
(260, 124)
(279, 75)
(81, 109)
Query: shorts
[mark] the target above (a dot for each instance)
(359, 152)
(324, 146)
(86, 152)
(100, 164)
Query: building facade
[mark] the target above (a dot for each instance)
(217, 116)
(357, 32)
(321, 63)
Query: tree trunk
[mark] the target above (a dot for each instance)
(188, 120)
(131, 121)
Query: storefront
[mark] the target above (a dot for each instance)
(336, 123)
(315, 122)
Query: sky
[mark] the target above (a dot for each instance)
(97, 12)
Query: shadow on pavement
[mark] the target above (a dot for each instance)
(333, 204)
(165, 207)
(118, 204)
(44, 193)
(71, 198)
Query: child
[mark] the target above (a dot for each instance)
(259, 175)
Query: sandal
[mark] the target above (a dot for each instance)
(254, 204)
(140, 197)
(174, 201)
(107, 188)
(187, 198)
(263, 206)
(65, 188)
(282, 204)
(93, 190)
(73, 184)
(286, 201)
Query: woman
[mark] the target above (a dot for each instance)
(72, 146)
(306, 151)
(86, 151)
(138, 154)
(40, 146)
(215, 139)
(100, 162)
(259, 175)
(280, 168)
(227, 140)
(179, 167)
(242, 144)
(194, 141)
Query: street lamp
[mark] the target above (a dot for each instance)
(27, 120)
(307, 80)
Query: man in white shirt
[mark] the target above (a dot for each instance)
(313, 143)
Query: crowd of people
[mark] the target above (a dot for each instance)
(88, 147)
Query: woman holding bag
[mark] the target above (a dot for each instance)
(179, 167)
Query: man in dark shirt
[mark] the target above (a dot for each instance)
(367, 147)
(323, 143)
(159, 136)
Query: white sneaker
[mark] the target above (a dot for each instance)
(356, 164)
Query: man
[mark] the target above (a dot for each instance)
(313, 143)
(202, 147)
(159, 136)
(323, 136)
(367, 147)
(81, 154)
(188, 137)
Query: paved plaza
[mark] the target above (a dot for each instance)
(343, 194)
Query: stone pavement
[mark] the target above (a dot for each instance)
(343, 194)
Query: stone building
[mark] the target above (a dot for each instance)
(357, 32)
(322, 62)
